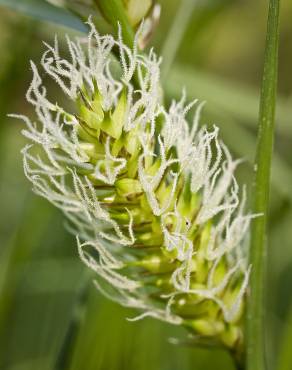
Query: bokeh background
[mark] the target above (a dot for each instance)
(218, 59)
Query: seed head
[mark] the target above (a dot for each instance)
(152, 200)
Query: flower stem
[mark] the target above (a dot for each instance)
(114, 12)
(258, 248)
(68, 344)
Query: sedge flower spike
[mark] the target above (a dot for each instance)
(153, 202)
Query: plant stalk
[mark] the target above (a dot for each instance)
(255, 326)
(114, 12)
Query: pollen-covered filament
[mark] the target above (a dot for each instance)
(154, 204)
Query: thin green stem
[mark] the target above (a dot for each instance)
(114, 12)
(255, 359)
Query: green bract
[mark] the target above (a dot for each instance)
(153, 202)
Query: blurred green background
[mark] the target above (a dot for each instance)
(219, 59)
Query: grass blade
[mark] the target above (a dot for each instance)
(255, 310)
(42, 10)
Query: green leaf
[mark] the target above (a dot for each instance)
(42, 10)
(258, 248)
